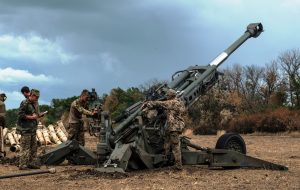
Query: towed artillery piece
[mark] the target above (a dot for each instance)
(135, 142)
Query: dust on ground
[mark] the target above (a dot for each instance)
(281, 149)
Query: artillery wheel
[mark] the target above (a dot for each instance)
(231, 141)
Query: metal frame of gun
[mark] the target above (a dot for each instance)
(138, 145)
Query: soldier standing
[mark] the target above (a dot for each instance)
(27, 125)
(77, 109)
(175, 110)
(2, 110)
(2, 122)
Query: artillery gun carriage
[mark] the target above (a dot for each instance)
(136, 142)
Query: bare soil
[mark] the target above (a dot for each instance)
(281, 149)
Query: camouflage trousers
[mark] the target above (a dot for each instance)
(28, 154)
(76, 132)
(2, 122)
(172, 142)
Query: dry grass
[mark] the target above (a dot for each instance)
(281, 149)
(293, 134)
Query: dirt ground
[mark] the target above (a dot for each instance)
(281, 149)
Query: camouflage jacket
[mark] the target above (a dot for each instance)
(77, 109)
(36, 105)
(27, 108)
(2, 114)
(175, 110)
(2, 109)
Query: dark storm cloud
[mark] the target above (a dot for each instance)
(136, 23)
(142, 40)
(138, 33)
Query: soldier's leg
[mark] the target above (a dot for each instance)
(25, 151)
(175, 144)
(2, 153)
(2, 122)
(167, 144)
(80, 136)
(33, 148)
(76, 132)
(72, 131)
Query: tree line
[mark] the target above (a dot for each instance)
(253, 98)
(246, 99)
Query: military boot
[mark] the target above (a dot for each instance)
(178, 166)
(23, 167)
(34, 166)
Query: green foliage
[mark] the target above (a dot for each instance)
(118, 100)
(57, 108)
(11, 117)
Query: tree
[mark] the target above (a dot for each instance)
(11, 118)
(274, 87)
(244, 83)
(118, 100)
(232, 79)
(56, 110)
(290, 63)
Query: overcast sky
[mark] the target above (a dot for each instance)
(62, 47)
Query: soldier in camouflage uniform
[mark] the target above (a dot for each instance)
(2, 122)
(175, 109)
(27, 125)
(2, 110)
(78, 108)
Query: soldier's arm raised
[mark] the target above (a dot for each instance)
(163, 104)
(82, 110)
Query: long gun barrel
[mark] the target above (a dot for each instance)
(253, 30)
(200, 78)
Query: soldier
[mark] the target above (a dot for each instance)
(2, 110)
(77, 109)
(175, 110)
(27, 125)
(2, 122)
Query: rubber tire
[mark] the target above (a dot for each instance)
(225, 140)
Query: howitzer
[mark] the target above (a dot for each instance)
(137, 142)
